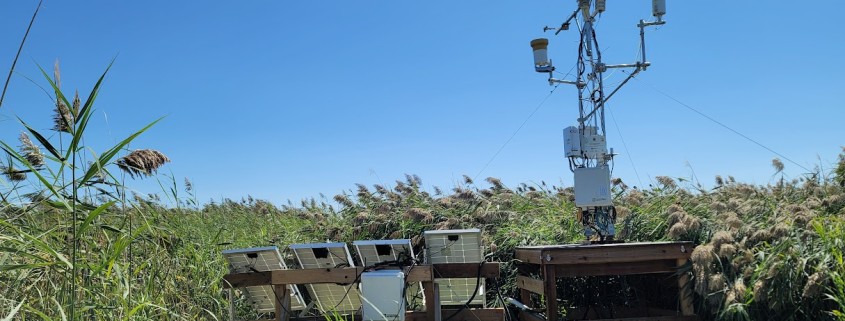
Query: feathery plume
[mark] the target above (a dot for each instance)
(497, 183)
(666, 181)
(142, 162)
(12, 173)
(31, 152)
(777, 164)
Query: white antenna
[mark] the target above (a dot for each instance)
(585, 144)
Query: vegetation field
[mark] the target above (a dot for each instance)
(764, 252)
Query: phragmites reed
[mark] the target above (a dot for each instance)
(777, 164)
(142, 162)
(666, 181)
(12, 173)
(31, 152)
(64, 117)
(497, 183)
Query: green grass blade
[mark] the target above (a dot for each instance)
(17, 55)
(38, 175)
(12, 267)
(44, 142)
(93, 95)
(14, 311)
(60, 96)
(93, 215)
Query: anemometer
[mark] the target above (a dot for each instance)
(585, 145)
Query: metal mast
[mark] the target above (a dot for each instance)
(585, 144)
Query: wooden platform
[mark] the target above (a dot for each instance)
(554, 261)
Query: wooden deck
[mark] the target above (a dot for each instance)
(554, 261)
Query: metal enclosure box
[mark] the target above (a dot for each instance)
(572, 141)
(592, 186)
(594, 146)
(381, 295)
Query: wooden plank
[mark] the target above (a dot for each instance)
(431, 299)
(642, 267)
(530, 284)
(282, 302)
(613, 253)
(525, 316)
(239, 280)
(489, 314)
(685, 291)
(604, 253)
(418, 273)
(664, 318)
(466, 270)
(306, 276)
(531, 256)
(550, 290)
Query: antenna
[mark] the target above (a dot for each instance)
(585, 145)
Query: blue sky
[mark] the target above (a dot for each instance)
(288, 99)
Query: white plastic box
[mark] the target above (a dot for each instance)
(592, 186)
(381, 295)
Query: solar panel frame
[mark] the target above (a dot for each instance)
(262, 297)
(466, 248)
(343, 299)
(368, 254)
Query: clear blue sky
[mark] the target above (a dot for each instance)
(288, 99)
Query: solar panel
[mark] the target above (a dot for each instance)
(262, 259)
(330, 298)
(373, 252)
(456, 246)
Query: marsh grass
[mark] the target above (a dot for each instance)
(772, 251)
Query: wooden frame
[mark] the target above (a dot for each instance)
(426, 274)
(554, 261)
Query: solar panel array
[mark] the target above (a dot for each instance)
(456, 246)
(442, 246)
(262, 259)
(342, 299)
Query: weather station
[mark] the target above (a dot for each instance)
(591, 162)
(585, 145)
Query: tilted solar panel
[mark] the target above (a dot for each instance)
(262, 259)
(330, 298)
(456, 246)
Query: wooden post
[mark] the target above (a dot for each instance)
(550, 289)
(438, 311)
(282, 302)
(231, 293)
(685, 292)
(428, 292)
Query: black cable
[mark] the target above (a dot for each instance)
(279, 301)
(477, 286)
(723, 125)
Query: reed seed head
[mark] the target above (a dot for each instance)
(666, 181)
(31, 152)
(142, 162)
(815, 285)
(720, 238)
(727, 250)
(12, 173)
(778, 165)
(497, 183)
(62, 119)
